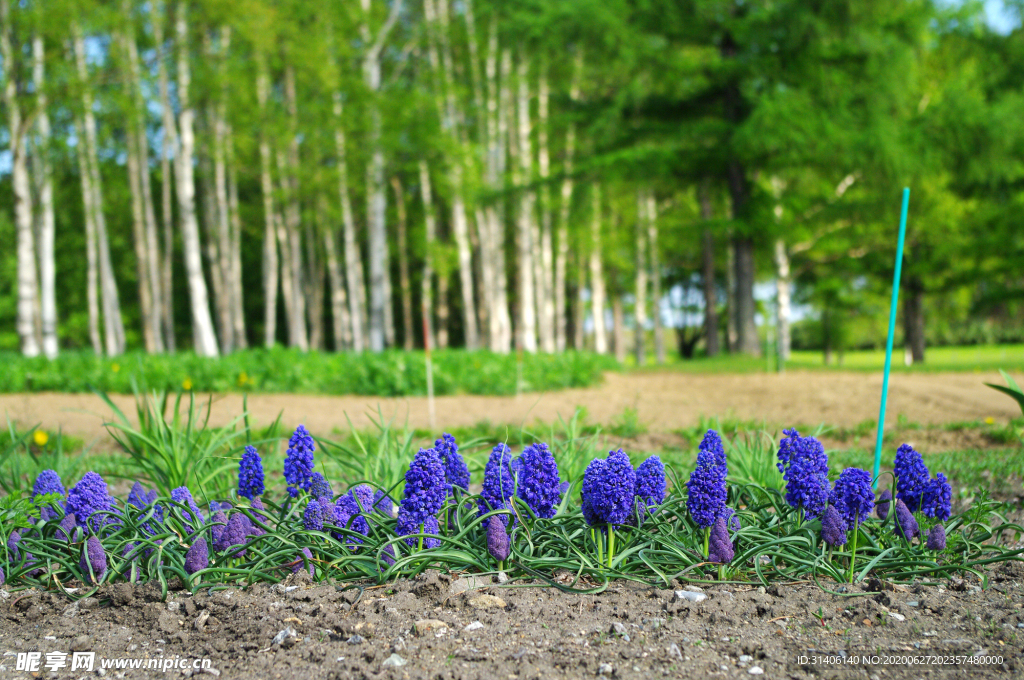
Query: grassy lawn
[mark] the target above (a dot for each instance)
(969, 358)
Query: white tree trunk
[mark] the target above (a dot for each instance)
(226, 303)
(23, 220)
(354, 276)
(170, 142)
(543, 251)
(376, 194)
(91, 258)
(597, 289)
(652, 245)
(284, 245)
(238, 308)
(784, 283)
(113, 326)
(562, 237)
(430, 232)
(290, 181)
(525, 219)
(47, 228)
(204, 337)
(270, 263)
(341, 323)
(640, 310)
(500, 328)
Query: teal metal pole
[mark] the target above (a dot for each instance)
(892, 332)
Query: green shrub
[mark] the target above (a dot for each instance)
(388, 374)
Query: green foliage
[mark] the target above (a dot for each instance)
(1011, 389)
(389, 374)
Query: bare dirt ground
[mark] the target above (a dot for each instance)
(665, 401)
(427, 629)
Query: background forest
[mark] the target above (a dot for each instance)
(342, 175)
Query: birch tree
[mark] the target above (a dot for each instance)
(562, 237)
(708, 272)
(168, 145)
(640, 309)
(27, 281)
(270, 259)
(47, 224)
(597, 287)
(404, 281)
(525, 218)
(376, 194)
(113, 326)
(203, 336)
(354, 276)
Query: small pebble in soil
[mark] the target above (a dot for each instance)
(394, 660)
(605, 669)
(476, 625)
(673, 650)
(356, 640)
(912, 603)
(690, 596)
(746, 658)
(756, 670)
(725, 639)
(898, 617)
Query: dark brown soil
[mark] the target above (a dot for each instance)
(631, 630)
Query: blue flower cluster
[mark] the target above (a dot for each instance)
(906, 525)
(184, 496)
(456, 473)
(47, 482)
(608, 488)
(833, 527)
(497, 539)
(852, 496)
(650, 486)
(937, 501)
(706, 492)
(804, 466)
(87, 497)
(319, 487)
(538, 480)
(250, 474)
(720, 548)
(911, 476)
(499, 483)
(313, 517)
(298, 461)
(198, 556)
(425, 493)
(94, 561)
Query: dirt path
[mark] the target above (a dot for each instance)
(664, 401)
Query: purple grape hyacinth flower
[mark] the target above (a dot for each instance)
(407, 526)
(456, 473)
(236, 532)
(184, 496)
(804, 466)
(298, 461)
(938, 498)
(198, 556)
(833, 528)
(319, 487)
(218, 523)
(250, 474)
(649, 491)
(87, 497)
(497, 539)
(911, 476)
(299, 562)
(882, 506)
(906, 525)
(608, 485)
(936, 538)
(348, 513)
(712, 443)
(94, 560)
(425, 491)
(499, 482)
(705, 490)
(720, 545)
(68, 529)
(383, 504)
(852, 496)
(47, 482)
(313, 517)
(538, 480)
(3, 578)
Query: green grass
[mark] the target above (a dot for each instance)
(388, 374)
(979, 358)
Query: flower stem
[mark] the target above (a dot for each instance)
(611, 544)
(501, 565)
(707, 542)
(853, 554)
(420, 547)
(598, 542)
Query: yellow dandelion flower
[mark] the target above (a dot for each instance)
(40, 438)
(990, 420)
(243, 378)
(186, 384)
(115, 367)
